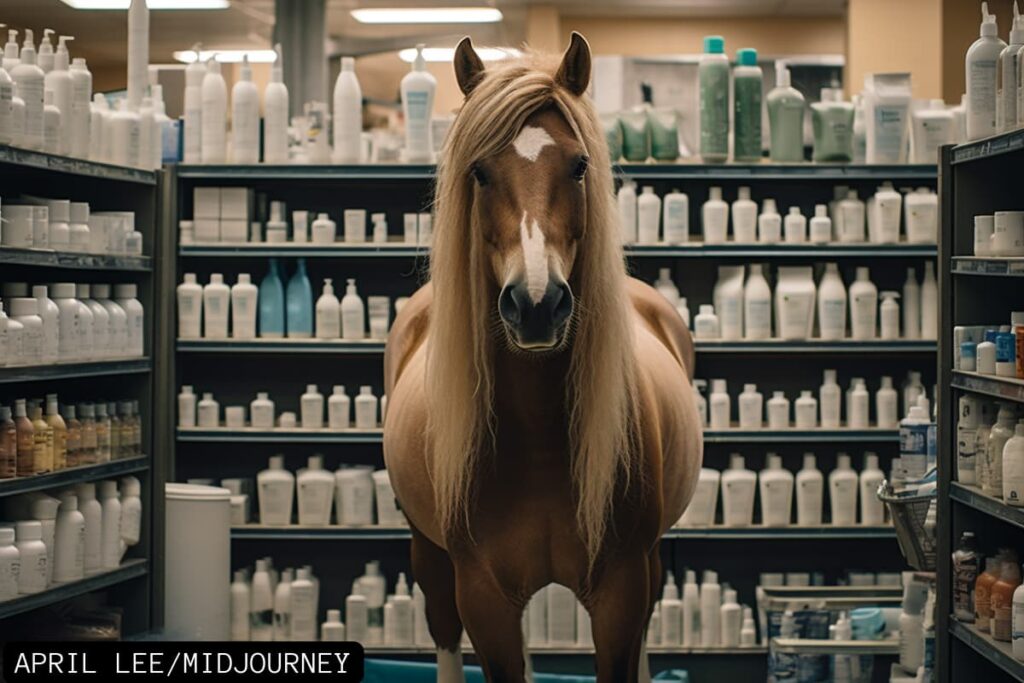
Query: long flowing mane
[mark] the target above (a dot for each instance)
(601, 393)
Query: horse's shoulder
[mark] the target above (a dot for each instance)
(407, 334)
(664, 322)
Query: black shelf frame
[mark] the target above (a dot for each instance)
(40, 373)
(69, 260)
(30, 159)
(61, 592)
(73, 475)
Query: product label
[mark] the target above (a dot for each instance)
(1005, 351)
(981, 95)
(9, 571)
(890, 134)
(833, 317)
(966, 438)
(1017, 618)
(732, 317)
(1002, 616)
(759, 318)
(714, 110)
(794, 318)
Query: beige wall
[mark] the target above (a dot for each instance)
(960, 22)
(895, 36)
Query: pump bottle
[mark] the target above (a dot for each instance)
(982, 84)
(29, 79)
(417, 89)
(328, 315)
(353, 315)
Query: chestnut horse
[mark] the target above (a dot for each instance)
(541, 424)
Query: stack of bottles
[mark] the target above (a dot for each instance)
(39, 436)
(67, 226)
(353, 496)
(990, 447)
(774, 487)
(825, 412)
(205, 412)
(987, 592)
(47, 540)
(888, 217)
(66, 322)
(272, 311)
(744, 305)
(990, 349)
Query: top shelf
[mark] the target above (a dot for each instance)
(28, 158)
(993, 146)
(654, 171)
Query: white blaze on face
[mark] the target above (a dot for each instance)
(535, 258)
(531, 141)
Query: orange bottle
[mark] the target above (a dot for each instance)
(983, 592)
(1002, 598)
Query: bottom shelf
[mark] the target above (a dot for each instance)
(999, 653)
(60, 592)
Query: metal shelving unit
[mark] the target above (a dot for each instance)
(136, 587)
(973, 291)
(289, 346)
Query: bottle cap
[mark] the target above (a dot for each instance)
(746, 56)
(29, 531)
(820, 211)
(810, 461)
(714, 45)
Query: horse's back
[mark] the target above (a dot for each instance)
(664, 322)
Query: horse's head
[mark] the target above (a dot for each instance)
(529, 201)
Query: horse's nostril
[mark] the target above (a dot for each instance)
(507, 307)
(561, 300)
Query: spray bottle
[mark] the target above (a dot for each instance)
(29, 79)
(982, 57)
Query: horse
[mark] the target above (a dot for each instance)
(541, 426)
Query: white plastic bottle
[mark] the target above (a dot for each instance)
(715, 217)
(193, 105)
(821, 225)
(795, 226)
(261, 610)
(261, 411)
(842, 489)
(135, 318)
(366, 408)
(857, 410)
(719, 405)
(276, 493)
(303, 607)
(884, 218)
(339, 409)
(769, 223)
(751, 407)
(738, 485)
(705, 324)
(691, 611)
(744, 218)
(312, 408)
(325, 231)
(49, 313)
(92, 515)
(417, 89)
(911, 306)
(353, 314)
(863, 306)
(1008, 76)
(872, 510)
(676, 218)
(776, 490)
(332, 630)
(851, 223)
(215, 115)
(710, 609)
(110, 536)
(69, 541)
(626, 199)
(911, 623)
(10, 564)
(216, 304)
(731, 619)
(980, 69)
(727, 296)
(648, 216)
(666, 287)
(886, 406)
(241, 607)
(929, 303)
(1013, 467)
(29, 80)
(810, 488)
(889, 316)
(328, 313)
(829, 400)
(275, 115)
(33, 560)
(757, 305)
(245, 117)
(778, 411)
(806, 410)
(315, 493)
(208, 411)
(283, 607)
(244, 295)
(348, 115)
(58, 82)
(186, 407)
(51, 126)
(131, 511)
(832, 304)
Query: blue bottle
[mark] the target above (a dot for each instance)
(300, 304)
(271, 304)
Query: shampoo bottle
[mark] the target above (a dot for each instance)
(216, 298)
(348, 115)
(806, 410)
(300, 304)
(738, 484)
(245, 118)
(214, 115)
(715, 217)
(719, 405)
(366, 408)
(821, 225)
(776, 489)
(666, 287)
(769, 223)
(829, 395)
(981, 66)
(271, 304)
(872, 510)
(671, 613)
(710, 606)
(911, 306)
(275, 115)
(339, 409)
(328, 313)
(29, 82)
(691, 611)
(744, 218)
(648, 216)
(863, 306)
(713, 77)
(757, 305)
(627, 211)
(747, 89)
(312, 408)
(832, 304)
(810, 487)
(315, 492)
(785, 119)
(778, 411)
(751, 405)
(276, 491)
(842, 489)
(731, 619)
(418, 88)
(244, 296)
(241, 607)
(353, 314)
(795, 226)
(676, 218)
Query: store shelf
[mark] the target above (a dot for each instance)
(1006, 388)
(39, 373)
(583, 651)
(989, 147)
(424, 172)
(291, 346)
(1000, 654)
(73, 475)
(248, 435)
(129, 569)
(17, 157)
(988, 265)
(770, 171)
(47, 258)
(843, 346)
(973, 497)
(810, 646)
(291, 250)
(871, 435)
(296, 532)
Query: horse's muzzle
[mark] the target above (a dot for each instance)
(536, 326)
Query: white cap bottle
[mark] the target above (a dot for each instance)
(353, 314)
(348, 115)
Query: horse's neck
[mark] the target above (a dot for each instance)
(530, 391)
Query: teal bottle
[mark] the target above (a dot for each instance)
(271, 303)
(747, 82)
(713, 77)
(300, 304)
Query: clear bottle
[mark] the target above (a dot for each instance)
(312, 405)
(103, 440)
(366, 408)
(74, 441)
(42, 449)
(785, 118)
(747, 89)
(965, 572)
(810, 488)
(713, 77)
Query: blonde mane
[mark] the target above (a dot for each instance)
(601, 392)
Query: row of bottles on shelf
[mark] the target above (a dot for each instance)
(809, 413)
(995, 96)
(990, 447)
(743, 305)
(227, 215)
(775, 486)
(64, 225)
(987, 592)
(67, 322)
(205, 413)
(46, 540)
(708, 615)
(88, 433)
(990, 349)
(999, 234)
(647, 219)
(204, 311)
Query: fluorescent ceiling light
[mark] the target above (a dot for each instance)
(152, 4)
(227, 56)
(427, 15)
(447, 54)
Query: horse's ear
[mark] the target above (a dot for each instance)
(469, 68)
(574, 72)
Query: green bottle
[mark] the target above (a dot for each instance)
(713, 74)
(785, 118)
(747, 83)
(832, 121)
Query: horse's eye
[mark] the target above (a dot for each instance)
(479, 175)
(580, 169)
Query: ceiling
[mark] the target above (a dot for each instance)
(100, 36)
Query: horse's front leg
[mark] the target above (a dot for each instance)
(493, 620)
(619, 603)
